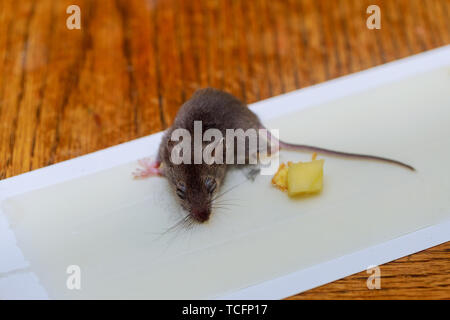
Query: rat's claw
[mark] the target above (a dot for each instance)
(150, 169)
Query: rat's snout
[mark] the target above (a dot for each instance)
(201, 215)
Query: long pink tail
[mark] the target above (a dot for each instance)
(302, 147)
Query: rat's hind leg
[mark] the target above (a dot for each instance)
(149, 169)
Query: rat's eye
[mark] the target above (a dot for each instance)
(181, 191)
(210, 184)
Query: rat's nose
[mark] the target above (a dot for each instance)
(201, 215)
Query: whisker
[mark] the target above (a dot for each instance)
(229, 189)
(226, 191)
(175, 226)
(226, 201)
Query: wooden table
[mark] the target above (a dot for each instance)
(124, 74)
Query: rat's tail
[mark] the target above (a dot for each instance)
(302, 147)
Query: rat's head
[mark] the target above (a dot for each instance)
(195, 186)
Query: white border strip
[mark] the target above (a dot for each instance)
(347, 265)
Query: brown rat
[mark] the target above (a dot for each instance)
(196, 185)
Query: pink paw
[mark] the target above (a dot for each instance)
(149, 169)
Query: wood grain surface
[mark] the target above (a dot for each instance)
(65, 93)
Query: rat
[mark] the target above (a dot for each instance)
(196, 185)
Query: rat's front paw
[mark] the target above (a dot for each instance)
(149, 168)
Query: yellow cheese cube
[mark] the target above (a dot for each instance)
(305, 177)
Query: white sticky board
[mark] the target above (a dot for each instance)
(89, 212)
